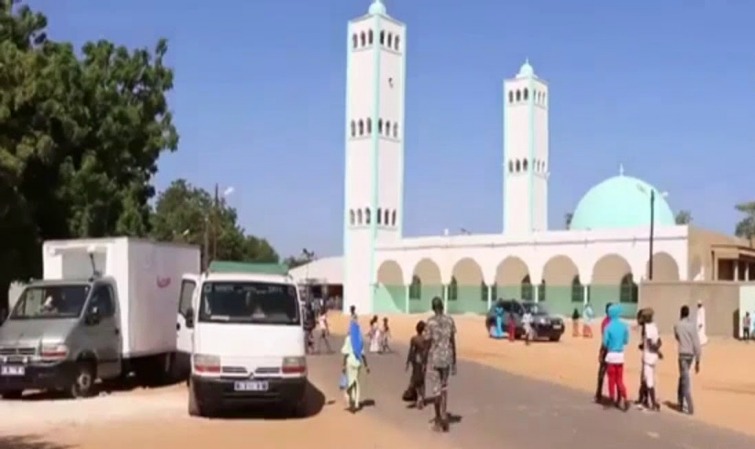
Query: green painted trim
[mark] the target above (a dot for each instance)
(530, 163)
(346, 196)
(375, 158)
(402, 136)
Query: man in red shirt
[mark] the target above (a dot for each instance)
(602, 357)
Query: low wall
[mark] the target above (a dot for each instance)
(720, 298)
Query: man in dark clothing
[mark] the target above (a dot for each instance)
(690, 351)
(602, 357)
(441, 334)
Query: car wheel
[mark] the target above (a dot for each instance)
(83, 383)
(555, 338)
(195, 407)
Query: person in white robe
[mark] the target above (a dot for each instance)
(701, 323)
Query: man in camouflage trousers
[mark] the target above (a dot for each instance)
(441, 362)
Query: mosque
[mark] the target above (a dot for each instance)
(622, 231)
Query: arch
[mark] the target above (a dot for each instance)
(511, 96)
(396, 43)
(610, 269)
(525, 94)
(359, 216)
(354, 41)
(526, 291)
(380, 126)
(353, 128)
(518, 166)
(370, 36)
(629, 290)
(382, 37)
(367, 215)
(511, 271)
(560, 270)
(524, 165)
(390, 40)
(393, 218)
(386, 216)
(352, 217)
(369, 125)
(395, 130)
(665, 267)
(427, 272)
(379, 216)
(362, 39)
(387, 128)
(361, 128)
(390, 295)
(518, 95)
(467, 271)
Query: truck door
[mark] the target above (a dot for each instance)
(104, 333)
(184, 329)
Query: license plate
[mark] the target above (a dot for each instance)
(556, 326)
(10, 370)
(252, 385)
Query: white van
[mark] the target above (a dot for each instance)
(248, 343)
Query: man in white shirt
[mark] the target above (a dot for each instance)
(527, 320)
(651, 353)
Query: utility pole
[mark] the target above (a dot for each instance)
(215, 208)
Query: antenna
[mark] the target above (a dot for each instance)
(95, 274)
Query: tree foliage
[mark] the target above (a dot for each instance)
(80, 136)
(683, 217)
(186, 213)
(745, 228)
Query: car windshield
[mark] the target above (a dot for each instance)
(249, 302)
(535, 308)
(51, 301)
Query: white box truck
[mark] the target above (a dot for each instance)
(106, 308)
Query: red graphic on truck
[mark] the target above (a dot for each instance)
(163, 282)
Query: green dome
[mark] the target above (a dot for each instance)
(377, 7)
(620, 202)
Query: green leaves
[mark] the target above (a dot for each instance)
(746, 227)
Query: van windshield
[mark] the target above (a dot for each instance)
(51, 301)
(249, 302)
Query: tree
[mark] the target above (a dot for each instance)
(567, 220)
(304, 258)
(683, 217)
(80, 137)
(746, 227)
(186, 213)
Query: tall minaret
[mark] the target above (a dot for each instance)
(525, 153)
(374, 177)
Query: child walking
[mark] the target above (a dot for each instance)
(374, 335)
(417, 361)
(324, 331)
(615, 339)
(385, 337)
(575, 316)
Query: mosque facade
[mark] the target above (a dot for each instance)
(601, 258)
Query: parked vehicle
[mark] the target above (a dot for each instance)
(105, 309)
(545, 325)
(248, 342)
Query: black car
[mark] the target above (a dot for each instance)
(544, 325)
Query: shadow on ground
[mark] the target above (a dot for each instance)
(313, 404)
(101, 388)
(29, 442)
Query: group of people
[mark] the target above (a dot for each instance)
(431, 358)
(690, 337)
(380, 336)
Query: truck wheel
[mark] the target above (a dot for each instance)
(83, 383)
(299, 409)
(195, 408)
(555, 338)
(14, 394)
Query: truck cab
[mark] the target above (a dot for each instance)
(61, 335)
(248, 343)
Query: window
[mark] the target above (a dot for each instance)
(53, 301)
(393, 218)
(395, 43)
(526, 94)
(453, 290)
(518, 166)
(483, 291)
(187, 292)
(351, 217)
(577, 291)
(386, 216)
(511, 96)
(526, 288)
(380, 126)
(388, 129)
(511, 166)
(359, 216)
(541, 296)
(362, 39)
(382, 37)
(369, 126)
(379, 217)
(354, 41)
(524, 165)
(102, 300)
(390, 40)
(361, 128)
(628, 291)
(367, 216)
(369, 37)
(353, 129)
(250, 302)
(395, 130)
(518, 95)
(415, 288)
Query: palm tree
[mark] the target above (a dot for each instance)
(746, 227)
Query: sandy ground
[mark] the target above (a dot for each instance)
(722, 391)
(157, 419)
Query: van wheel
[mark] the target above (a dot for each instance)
(83, 383)
(195, 408)
(11, 395)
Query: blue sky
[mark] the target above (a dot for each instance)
(664, 88)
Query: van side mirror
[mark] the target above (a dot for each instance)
(189, 317)
(93, 316)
